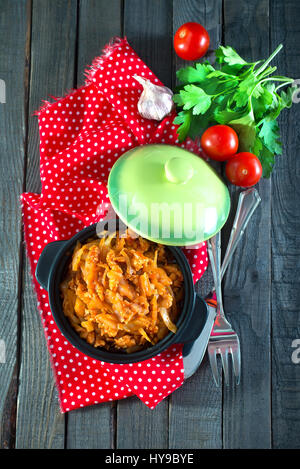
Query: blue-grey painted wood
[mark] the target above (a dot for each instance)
(284, 18)
(52, 60)
(148, 27)
(247, 284)
(13, 20)
(98, 23)
(48, 58)
(196, 408)
(94, 427)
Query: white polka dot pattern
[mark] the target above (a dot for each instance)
(81, 136)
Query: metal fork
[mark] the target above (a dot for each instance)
(225, 341)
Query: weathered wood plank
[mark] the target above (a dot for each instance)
(90, 428)
(40, 425)
(52, 67)
(246, 412)
(53, 38)
(194, 412)
(141, 428)
(196, 408)
(148, 28)
(93, 427)
(98, 24)
(284, 18)
(13, 27)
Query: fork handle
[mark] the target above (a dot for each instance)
(214, 251)
(248, 201)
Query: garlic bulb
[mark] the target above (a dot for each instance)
(155, 101)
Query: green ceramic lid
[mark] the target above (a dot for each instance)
(168, 195)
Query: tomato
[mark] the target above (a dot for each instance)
(191, 41)
(219, 142)
(243, 169)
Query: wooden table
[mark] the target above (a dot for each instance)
(45, 46)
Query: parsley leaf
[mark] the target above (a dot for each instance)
(184, 118)
(195, 97)
(287, 96)
(269, 133)
(228, 55)
(195, 74)
(244, 95)
(267, 160)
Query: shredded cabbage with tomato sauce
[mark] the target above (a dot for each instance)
(122, 293)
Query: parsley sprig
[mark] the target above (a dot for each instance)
(243, 95)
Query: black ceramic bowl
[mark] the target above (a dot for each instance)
(51, 270)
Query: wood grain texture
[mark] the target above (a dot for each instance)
(94, 427)
(284, 18)
(148, 27)
(40, 425)
(13, 26)
(247, 285)
(97, 25)
(45, 46)
(141, 428)
(196, 408)
(53, 64)
(53, 38)
(90, 427)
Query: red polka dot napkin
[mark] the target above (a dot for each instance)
(81, 136)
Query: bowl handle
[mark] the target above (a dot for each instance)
(45, 262)
(196, 323)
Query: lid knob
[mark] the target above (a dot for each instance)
(178, 170)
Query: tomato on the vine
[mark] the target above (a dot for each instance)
(191, 41)
(219, 142)
(243, 169)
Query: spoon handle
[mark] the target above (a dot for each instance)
(214, 252)
(248, 201)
